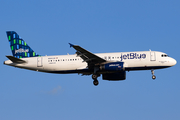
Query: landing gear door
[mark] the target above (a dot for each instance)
(39, 62)
(152, 56)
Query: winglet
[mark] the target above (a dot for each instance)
(71, 45)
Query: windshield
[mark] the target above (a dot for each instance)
(164, 55)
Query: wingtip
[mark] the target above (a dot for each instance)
(71, 45)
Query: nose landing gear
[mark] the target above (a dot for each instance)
(153, 76)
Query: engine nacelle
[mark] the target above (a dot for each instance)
(114, 76)
(114, 66)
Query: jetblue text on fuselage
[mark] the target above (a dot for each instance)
(132, 56)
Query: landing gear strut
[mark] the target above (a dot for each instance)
(94, 77)
(153, 76)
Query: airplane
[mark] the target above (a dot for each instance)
(112, 66)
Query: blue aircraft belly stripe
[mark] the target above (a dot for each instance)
(145, 68)
(90, 71)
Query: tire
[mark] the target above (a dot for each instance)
(94, 76)
(153, 77)
(95, 82)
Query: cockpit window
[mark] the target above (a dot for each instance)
(164, 55)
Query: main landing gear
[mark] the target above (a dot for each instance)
(94, 77)
(153, 76)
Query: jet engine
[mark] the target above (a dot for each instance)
(113, 66)
(114, 76)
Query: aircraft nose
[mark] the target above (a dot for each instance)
(173, 62)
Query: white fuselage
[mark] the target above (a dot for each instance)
(143, 60)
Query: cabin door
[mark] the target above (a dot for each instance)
(153, 56)
(39, 62)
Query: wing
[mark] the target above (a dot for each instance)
(87, 56)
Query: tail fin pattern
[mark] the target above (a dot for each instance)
(19, 47)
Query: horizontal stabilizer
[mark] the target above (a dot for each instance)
(15, 60)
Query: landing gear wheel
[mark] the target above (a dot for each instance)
(94, 76)
(153, 77)
(95, 82)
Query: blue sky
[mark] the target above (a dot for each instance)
(98, 26)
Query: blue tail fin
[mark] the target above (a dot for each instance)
(19, 47)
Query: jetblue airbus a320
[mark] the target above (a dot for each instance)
(112, 66)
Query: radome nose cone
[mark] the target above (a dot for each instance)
(174, 62)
